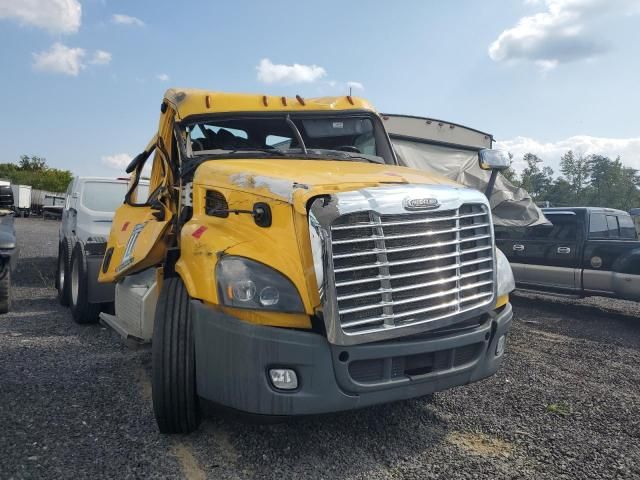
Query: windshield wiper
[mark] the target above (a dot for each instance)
(345, 155)
(296, 132)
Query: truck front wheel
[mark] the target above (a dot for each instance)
(175, 401)
(82, 310)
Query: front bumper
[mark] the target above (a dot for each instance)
(233, 358)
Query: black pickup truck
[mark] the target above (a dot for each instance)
(8, 246)
(586, 251)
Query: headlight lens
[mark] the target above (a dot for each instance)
(506, 283)
(245, 283)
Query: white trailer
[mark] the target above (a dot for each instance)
(22, 199)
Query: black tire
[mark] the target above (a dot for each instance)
(5, 289)
(175, 401)
(62, 272)
(82, 310)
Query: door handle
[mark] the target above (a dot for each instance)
(518, 248)
(564, 250)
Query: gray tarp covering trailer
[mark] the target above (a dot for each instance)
(452, 150)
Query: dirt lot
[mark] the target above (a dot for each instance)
(75, 403)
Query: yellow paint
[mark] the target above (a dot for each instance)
(188, 101)
(276, 319)
(286, 185)
(502, 301)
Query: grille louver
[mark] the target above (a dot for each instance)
(400, 269)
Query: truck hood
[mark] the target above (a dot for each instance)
(294, 181)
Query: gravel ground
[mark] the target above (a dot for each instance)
(75, 403)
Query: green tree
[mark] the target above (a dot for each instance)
(576, 172)
(33, 163)
(612, 184)
(534, 179)
(33, 170)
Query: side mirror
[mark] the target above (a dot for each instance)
(493, 159)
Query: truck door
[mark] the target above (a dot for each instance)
(611, 260)
(551, 253)
(140, 232)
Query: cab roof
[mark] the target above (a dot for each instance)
(188, 102)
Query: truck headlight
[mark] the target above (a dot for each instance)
(504, 276)
(246, 283)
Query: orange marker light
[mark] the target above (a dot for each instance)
(284, 101)
(207, 101)
(265, 101)
(300, 99)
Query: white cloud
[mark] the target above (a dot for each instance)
(269, 72)
(118, 161)
(163, 77)
(122, 19)
(56, 16)
(567, 31)
(627, 148)
(355, 85)
(60, 59)
(100, 57)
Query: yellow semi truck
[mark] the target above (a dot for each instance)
(284, 264)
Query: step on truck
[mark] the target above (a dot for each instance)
(284, 264)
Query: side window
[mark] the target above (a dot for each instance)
(509, 233)
(612, 226)
(278, 142)
(564, 229)
(67, 200)
(598, 226)
(627, 228)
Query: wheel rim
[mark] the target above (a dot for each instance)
(75, 274)
(61, 273)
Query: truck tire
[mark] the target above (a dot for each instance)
(5, 289)
(173, 381)
(62, 272)
(82, 310)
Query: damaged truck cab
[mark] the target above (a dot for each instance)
(284, 264)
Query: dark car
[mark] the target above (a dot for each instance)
(8, 247)
(586, 251)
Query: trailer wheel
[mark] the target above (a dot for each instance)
(62, 272)
(5, 289)
(82, 310)
(175, 402)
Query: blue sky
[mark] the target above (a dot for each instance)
(83, 79)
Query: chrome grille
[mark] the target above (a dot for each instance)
(401, 269)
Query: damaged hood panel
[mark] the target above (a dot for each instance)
(295, 181)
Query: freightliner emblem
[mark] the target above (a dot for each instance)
(420, 203)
